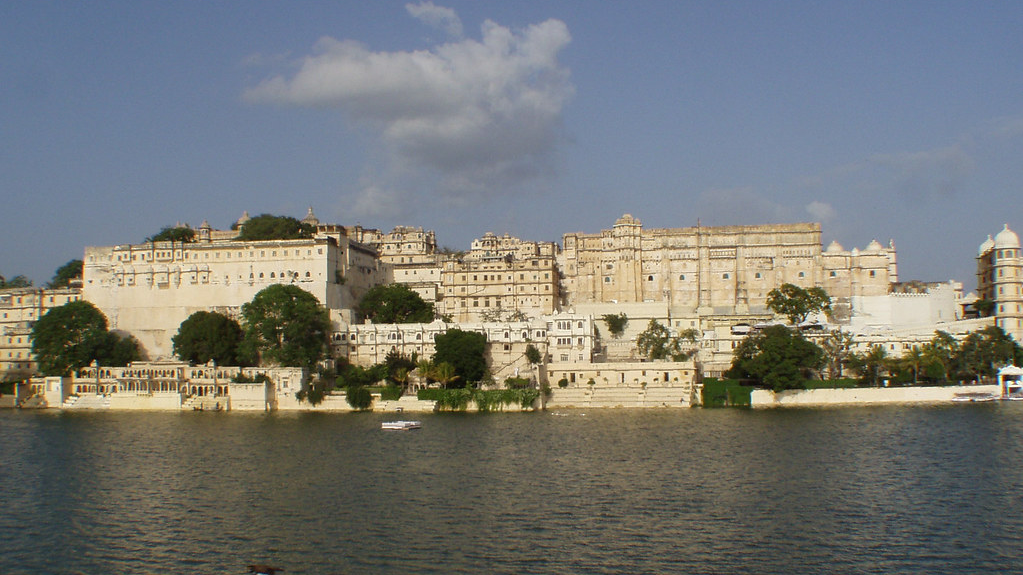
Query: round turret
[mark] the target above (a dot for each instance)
(1006, 239)
(987, 245)
(873, 246)
(834, 247)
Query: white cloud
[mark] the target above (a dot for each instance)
(821, 211)
(1005, 127)
(439, 17)
(927, 173)
(742, 205)
(471, 117)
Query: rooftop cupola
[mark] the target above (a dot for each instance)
(987, 245)
(205, 231)
(310, 218)
(1006, 239)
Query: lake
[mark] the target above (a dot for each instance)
(906, 489)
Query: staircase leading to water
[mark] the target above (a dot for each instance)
(649, 396)
(87, 401)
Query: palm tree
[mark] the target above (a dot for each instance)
(873, 363)
(913, 359)
(444, 373)
(941, 350)
(425, 369)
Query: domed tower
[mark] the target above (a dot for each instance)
(311, 219)
(242, 221)
(205, 232)
(1000, 280)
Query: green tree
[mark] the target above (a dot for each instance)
(206, 336)
(657, 343)
(359, 397)
(872, 365)
(778, 357)
(173, 234)
(465, 351)
(355, 375)
(399, 367)
(445, 374)
(72, 336)
(940, 354)
(269, 227)
(837, 347)
(395, 303)
(533, 355)
(285, 325)
(984, 307)
(914, 360)
(981, 353)
(65, 273)
(424, 368)
(616, 323)
(18, 281)
(797, 303)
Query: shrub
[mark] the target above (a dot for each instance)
(517, 383)
(359, 397)
(563, 382)
(725, 393)
(391, 393)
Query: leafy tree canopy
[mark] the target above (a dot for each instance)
(533, 355)
(206, 336)
(268, 227)
(173, 234)
(777, 357)
(616, 323)
(797, 303)
(657, 343)
(285, 325)
(463, 350)
(70, 337)
(66, 273)
(395, 303)
(18, 281)
(981, 353)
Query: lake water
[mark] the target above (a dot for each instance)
(856, 490)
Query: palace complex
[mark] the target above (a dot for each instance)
(709, 280)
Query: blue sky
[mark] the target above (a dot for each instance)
(887, 120)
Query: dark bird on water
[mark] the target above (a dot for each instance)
(264, 569)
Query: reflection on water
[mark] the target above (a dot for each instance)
(864, 490)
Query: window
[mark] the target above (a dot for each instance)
(682, 277)
(801, 274)
(832, 274)
(757, 275)
(724, 276)
(650, 278)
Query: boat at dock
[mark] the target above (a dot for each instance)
(401, 425)
(973, 397)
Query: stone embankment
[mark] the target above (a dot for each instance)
(866, 396)
(612, 397)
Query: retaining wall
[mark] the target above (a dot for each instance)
(864, 395)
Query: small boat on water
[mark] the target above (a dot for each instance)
(973, 397)
(401, 425)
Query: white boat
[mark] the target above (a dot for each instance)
(973, 397)
(401, 425)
